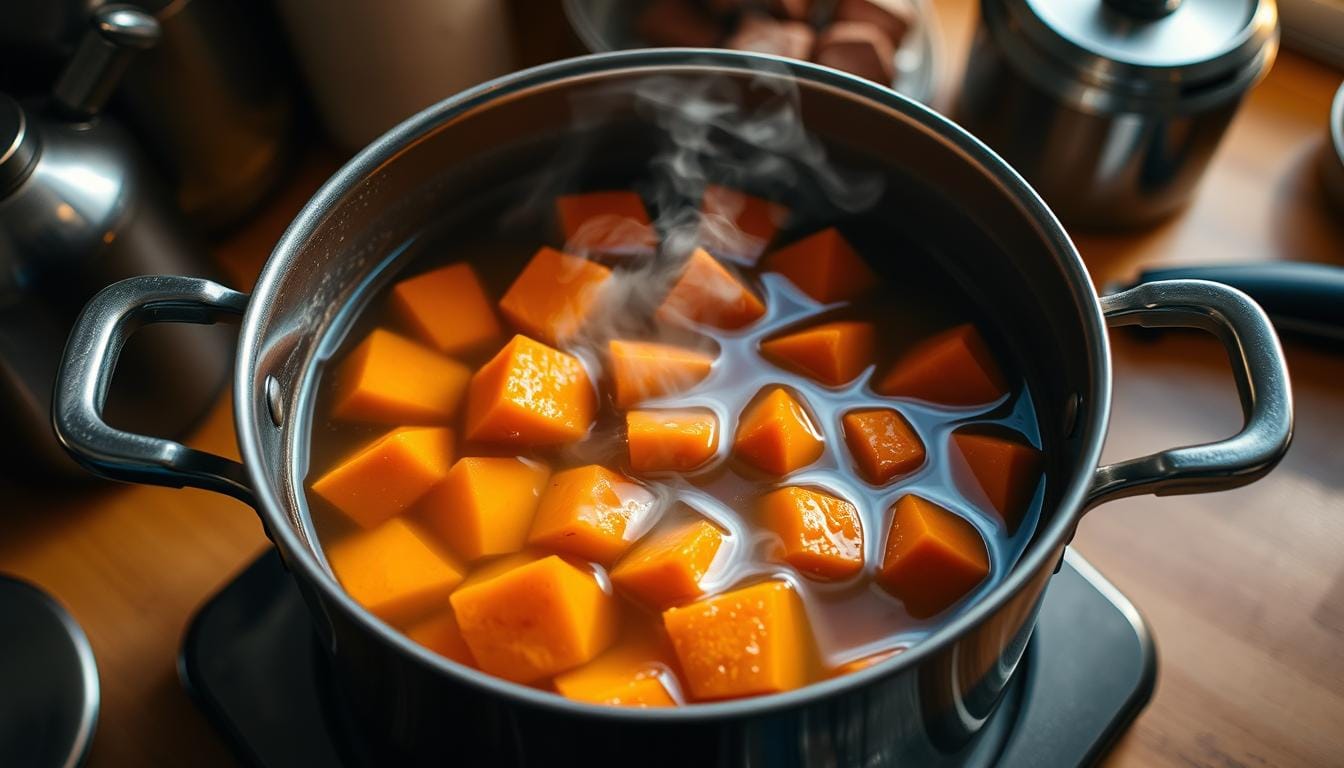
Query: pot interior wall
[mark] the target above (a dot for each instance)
(504, 151)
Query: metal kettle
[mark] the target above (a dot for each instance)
(79, 209)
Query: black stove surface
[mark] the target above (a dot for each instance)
(252, 664)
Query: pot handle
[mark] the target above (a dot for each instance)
(86, 371)
(1262, 381)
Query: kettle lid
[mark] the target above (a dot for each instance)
(19, 145)
(1157, 47)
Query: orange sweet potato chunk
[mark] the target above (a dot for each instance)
(933, 557)
(824, 266)
(394, 571)
(643, 370)
(388, 476)
(448, 309)
(530, 394)
(389, 379)
(1006, 471)
(883, 444)
(671, 440)
(819, 534)
(632, 673)
(832, 353)
(776, 435)
(738, 225)
(554, 295)
(588, 511)
(605, 222)
(954, 367)
(536, 620)
(440, 634)
(706, 292)
(666, 568)
(748, 642)
(484, 506)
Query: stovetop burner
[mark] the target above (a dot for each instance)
(253, 665)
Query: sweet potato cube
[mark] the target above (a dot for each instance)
(440, 634)
(553, 295)
(643, 370)
(747, 642)
(824, 266)
(776, 435)
(832, 353)
(484, 506)
(530, 394)
(389, 379)
(883, 444)
(386, 477)
(864, 662)
(671, 440)
(536, 620)
(933, 557)
(394, 571)
(666, 568)
(587, 512)
(632, 673)
(708, 293)
(819, 534)
(954, 367)
(1005, 471)
(605, 222)
(735, 224)
(448, 309)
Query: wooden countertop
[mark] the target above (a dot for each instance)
(1244, 590)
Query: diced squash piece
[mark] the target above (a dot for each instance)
(536, 620)
(448, 309)
(933, 557)
(748, 642)
(632, 673)
(824, 266)
(819, 534)
(484, 506)
(776, 435)
(865, 662)
(643, 370)
(954, 367)
(553, 295)
(832, 353)
(386, 477)
(706, 292)
(587, 512)
(440, 634)
(389, 379)
(738, 225)
(671, 440)
(530, 394)
(883, 444)
(666, 568)
(605, 222)
(394, 570)
(1006, 472)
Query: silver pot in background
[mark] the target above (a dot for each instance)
(1112, 108)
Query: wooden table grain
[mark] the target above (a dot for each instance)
(1244, 590)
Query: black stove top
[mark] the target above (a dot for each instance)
(252, 663)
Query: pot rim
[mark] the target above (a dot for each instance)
(297, 554)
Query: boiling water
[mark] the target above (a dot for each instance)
(851, 618)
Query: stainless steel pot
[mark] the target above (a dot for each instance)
(1112, 108)
(928, 706)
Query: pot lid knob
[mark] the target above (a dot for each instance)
(1144, 9)
(19, 146)
(117, 32)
